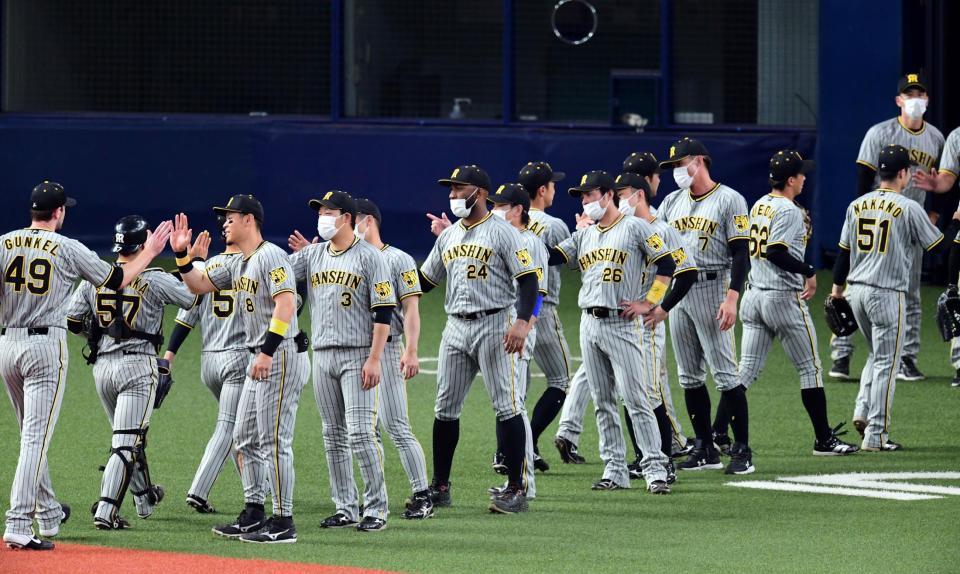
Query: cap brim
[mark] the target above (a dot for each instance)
(448, 182)
(70, 202)
(577, 191)
(619, 186)
(225, 210)
(920, 87)
(668, 162)
(316, 204)
(558, 176)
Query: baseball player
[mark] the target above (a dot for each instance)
(780, 283)
(352, 303)
(954, 273)
(925, 144)
(876, 250)
(265, 290)
(39, 268)
(223, 368)
(612, 256)
(486, 331)
(714, 223)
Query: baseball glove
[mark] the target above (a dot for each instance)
(839, 316)
(948, 314)
(164, 381)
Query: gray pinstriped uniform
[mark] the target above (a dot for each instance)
(612, 261)
(223, 369)
(394, 415)
(880, 231)
(950, 162)
(552, 354)
(707, 225)
(266, 415)
(925, 146)
(344, 287)
(34, 367)
(772, 306)
(126, 370)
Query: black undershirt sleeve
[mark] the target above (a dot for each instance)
(842, 267)
(556, 257)
(865, 177)
(741, 265)
(666, 266)
(779, 256)
(425, 285)
(177, 337)
(383, 315)
(527, 290)
(681, 284)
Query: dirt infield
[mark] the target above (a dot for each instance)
(76, 558)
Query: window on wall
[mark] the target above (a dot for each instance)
(424, 59)
(558, 81)
(744, 62)
(175, 56)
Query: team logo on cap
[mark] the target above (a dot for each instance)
(913, 78)
(328, 195)
(278, 276)
(679, 256)
(118, 238)
(741, 222)
(500, 190)
(523, 256)
(455, 172)
(383, 290)
(655, 242)
(409, 278)
(673, 150)
(583, 180)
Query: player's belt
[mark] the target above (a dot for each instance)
(601, 312)
(707, 275)
(477, 315)
(30, 330)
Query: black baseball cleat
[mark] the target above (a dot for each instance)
(702, 458)
(53, 531)
(499, 466)
(685, 451)
(250, 520)
(540, 464)
(909, 370)
(634, 469)
(440, 494)
(955, 383)
(841, 369)
(419, 507)
(741, 460)
(277, 530)
(24, 542)
(338, 520)
(200, 505)
(658, 487)
(833, 446)
(722, 442)
(371, 524)
(511, 501)
(568, 451)
(118, 523)
(671, 472)
(606, 484)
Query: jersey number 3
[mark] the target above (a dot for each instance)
(34, 275)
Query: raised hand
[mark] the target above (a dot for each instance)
(180, 238)
(583, 221)
(297, 241)
(201, 247)
(438, 224)
(157, 240)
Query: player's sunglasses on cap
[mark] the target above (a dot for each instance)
(629, 179)
(537, 174)
(467, 175)
(644, 163)
(786, 164)
(596, 179)
(511, 194)
(683, 149)
(49, 195)
(893, 158)
(367, 207)
(244, 204)
(335, 199)
(912, 82)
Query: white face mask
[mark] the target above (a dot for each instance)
(683, 177)
(356, 231)
(625, 207)
(501, 213)
(915, 107)
(459, 206)
(594, 210)
(327, 227)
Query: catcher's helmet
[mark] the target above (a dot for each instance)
(130, 233)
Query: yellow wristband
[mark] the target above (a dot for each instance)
(656, 292)
(181, 261)
(279, 327)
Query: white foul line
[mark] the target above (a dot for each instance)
(864, 484)
(792, 487)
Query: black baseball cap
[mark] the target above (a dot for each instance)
(512, 194)
(634, 180)
(367, 207)
(641, 163)
(892, 159)
(786, 164)
(538, 173)
(911, 81)
(336, 199)
(245, 204)
(596, 179)
(467, 175)
(48, 196)
(683, 149)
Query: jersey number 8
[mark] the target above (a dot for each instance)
(39, 271)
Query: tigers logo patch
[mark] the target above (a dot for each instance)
(741, 222)
(679, 256)
(655, 242)
(523, 256)
(278, 276)
(409, 278)
(383, 290)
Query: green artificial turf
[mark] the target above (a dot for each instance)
(703, 526)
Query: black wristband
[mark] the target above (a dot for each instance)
(270, 343)
(183, 269)
(180, 254)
